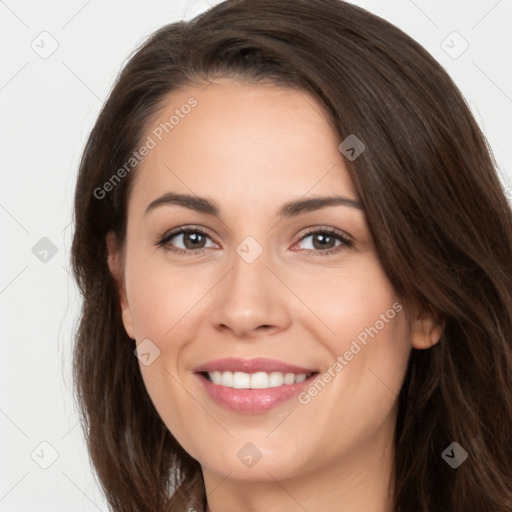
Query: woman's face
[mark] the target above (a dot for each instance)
(269, 283)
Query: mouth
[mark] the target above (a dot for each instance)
(252, 386)
(256, 380)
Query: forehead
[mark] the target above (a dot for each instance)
(249, 144)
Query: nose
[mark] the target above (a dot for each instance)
(250, 299)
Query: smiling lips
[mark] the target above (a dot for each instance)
(252, 385)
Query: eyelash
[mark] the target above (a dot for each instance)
(345, 242)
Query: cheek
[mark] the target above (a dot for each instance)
(161, 297)
(164, 303)
(351, 300)
(356, 393)
(365, 329)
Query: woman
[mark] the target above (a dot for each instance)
(232, 152)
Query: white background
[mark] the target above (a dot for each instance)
(48, 107)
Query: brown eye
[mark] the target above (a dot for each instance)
(184, 241)
(326, 241)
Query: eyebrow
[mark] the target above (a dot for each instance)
(289, 209)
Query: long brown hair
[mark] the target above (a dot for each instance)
(440, 220)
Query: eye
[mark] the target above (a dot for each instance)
(192, 238)
(323, 241)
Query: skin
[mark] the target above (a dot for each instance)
(250, 148)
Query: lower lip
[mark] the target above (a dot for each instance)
(252, 401)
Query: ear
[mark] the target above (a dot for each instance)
(426, 330)
(115, 265)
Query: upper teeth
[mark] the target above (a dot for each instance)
(258, 380)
